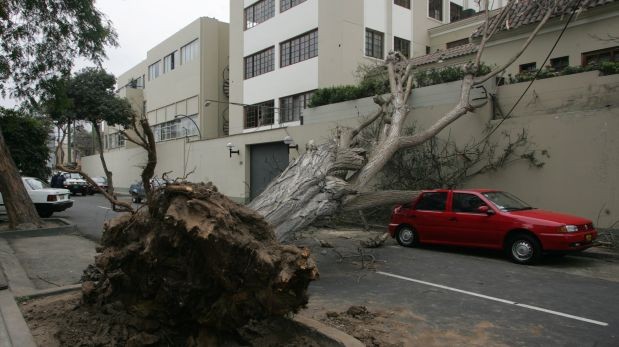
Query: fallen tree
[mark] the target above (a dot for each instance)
(338, 175)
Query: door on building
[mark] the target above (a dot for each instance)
(267, 161)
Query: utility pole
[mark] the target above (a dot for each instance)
(69, 143)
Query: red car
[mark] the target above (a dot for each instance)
(489, 219)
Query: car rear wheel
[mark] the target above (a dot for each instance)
(524, 249)
(45, 212)
(406, 236)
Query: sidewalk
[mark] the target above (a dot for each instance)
(37, 263)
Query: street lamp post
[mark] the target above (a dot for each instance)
(180, 116)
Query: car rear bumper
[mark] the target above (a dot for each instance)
(57, 206)
(569, 241)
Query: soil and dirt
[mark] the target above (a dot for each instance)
(191, 268)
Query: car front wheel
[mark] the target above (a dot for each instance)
(406, 236)
(524, 249)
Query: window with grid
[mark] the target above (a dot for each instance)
(190, 51)
(153, 71)
(401, 45)
(288, 4)
(374, 43)
(291, 107)
(169, 62)
(260, 63)
(260, 114)
(600, 56)
(528, 68)
(403, 3)
(114, 140)
(259, 12)
(299, 48)
(435, 9)
(560, 63)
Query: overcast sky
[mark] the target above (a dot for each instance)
(142, 24)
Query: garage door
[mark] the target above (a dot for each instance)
(267, 161)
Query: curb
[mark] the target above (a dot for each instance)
(328, 333)
(597, 253)
(66, 228)
(14, 329)
(48, 292)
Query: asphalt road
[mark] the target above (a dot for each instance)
(567, 301)
(89, 213)
(564, 301)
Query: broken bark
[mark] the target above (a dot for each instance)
(197, 261)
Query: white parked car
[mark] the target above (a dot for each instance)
(46, 200)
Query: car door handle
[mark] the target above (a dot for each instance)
(452, 219)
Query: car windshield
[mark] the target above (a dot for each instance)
(506, 201)
(36, 184)
(73, 175)
(99, 180)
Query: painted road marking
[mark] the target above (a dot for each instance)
(103, 207)
(494, 299)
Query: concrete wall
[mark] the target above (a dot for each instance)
(575, 118)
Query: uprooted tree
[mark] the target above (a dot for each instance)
(63, 31)
(338, 175)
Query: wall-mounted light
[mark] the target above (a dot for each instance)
(290, 142)
(230, 147)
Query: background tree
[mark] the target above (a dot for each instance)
(27, 138)
(339, 175)
(39, 39)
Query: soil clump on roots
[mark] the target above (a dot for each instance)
(193, 269)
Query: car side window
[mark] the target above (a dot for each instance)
(433, 201)
(469, 203)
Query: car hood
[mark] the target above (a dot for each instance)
(551, 216)
(75, 180)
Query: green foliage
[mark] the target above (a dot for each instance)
(605, 68)
(374, 80)
(27, 139)
(43, 38)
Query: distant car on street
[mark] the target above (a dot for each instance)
(75, 183)
(46, 200)
(489, 219)
(101, 182)
(137, 189)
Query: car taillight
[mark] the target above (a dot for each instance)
(52, 198)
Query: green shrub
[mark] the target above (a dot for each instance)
(609, 68)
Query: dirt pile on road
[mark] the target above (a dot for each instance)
(195, 262)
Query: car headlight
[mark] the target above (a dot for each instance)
(568, 229)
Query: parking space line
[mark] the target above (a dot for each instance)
(103, 207)
(493, 298)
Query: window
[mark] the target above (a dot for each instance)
(260, 63)
(114, 140)
(457, 43)
(190, 51)
(153, 70)
(170, 61)
(374, 46)
(560, 63)
(467, 203)
(299, 48)
(287, 4)
(401, 45)
(433, 201)
(600, 56)
(403, 3)
(176, 128)
(528, 68)
(291, 107)
(259, 12)
(435, 9)
(260, 114)
(139, 82)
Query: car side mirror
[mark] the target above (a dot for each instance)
(486, 210)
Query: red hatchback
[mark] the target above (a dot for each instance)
(489, 219)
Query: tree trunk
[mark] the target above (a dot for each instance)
(19, 206)
(108, 174)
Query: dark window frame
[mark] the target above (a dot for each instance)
(371, 36)
(288, 112)
(259, 114)
(526, 68)
(457, 43)
(440, 10)
(298, 48)
(259, 12)
(403, 3)
(586, 57)
(397, 46)
(259, 63)
(560, 63)
(285, 5)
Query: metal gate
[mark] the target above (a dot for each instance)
(267, 161)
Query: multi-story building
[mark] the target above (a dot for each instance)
(173, 84)
(297, 46)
